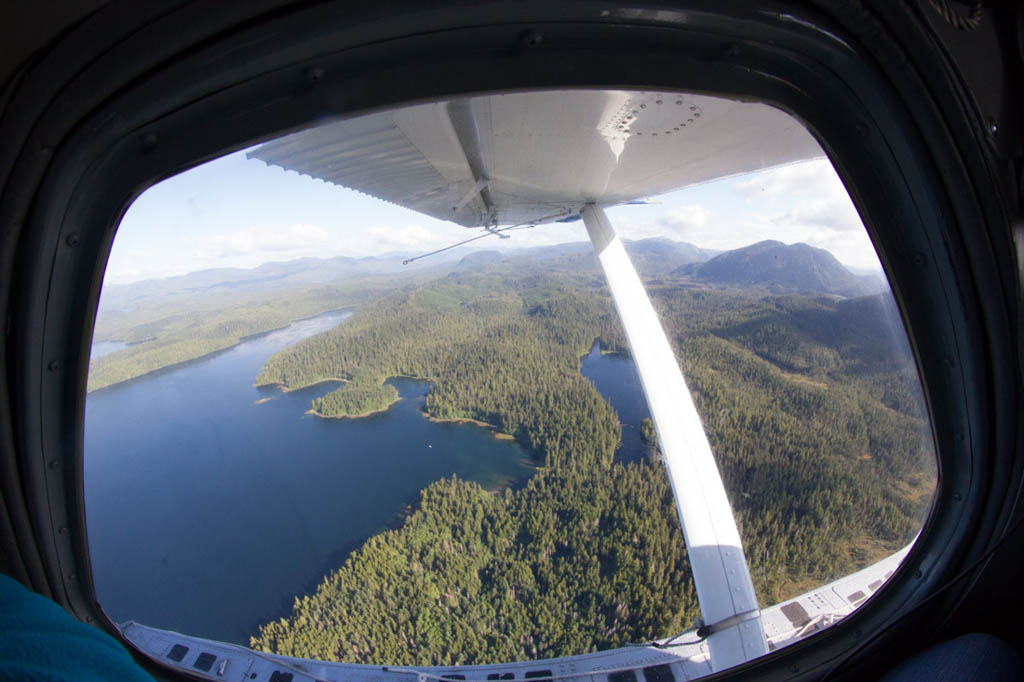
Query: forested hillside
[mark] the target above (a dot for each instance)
(811, 415)
(799, 267)
(170, 321)
(175, 329)
(500, 351)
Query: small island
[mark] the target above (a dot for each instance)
(360, 396)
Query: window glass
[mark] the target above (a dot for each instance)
(314, 429)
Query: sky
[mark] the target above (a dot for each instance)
(235, 212)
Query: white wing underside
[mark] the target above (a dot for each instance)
(540, 156)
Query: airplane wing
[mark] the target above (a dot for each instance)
(534, 157)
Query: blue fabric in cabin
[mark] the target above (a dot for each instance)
(41, 642)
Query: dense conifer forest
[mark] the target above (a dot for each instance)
(361, 395)
(811, 410)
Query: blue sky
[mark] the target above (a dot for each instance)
(234, 212)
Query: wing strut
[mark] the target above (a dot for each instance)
(728, 603)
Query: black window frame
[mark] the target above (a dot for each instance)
(254, 74)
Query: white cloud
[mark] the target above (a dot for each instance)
(384, 239)
(683, 221)
(811, 179)
(818, 211)
(804, 202)
(832, 214)
(176, 253)
(411, 239)
(686, 222)
(132, 265)
(271, 240)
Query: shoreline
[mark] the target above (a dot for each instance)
(205, 356)
(353, 416)
(495, 432)
(166, 368)
(467, 420)
(602, 350)
(284, 389)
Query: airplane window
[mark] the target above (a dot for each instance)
(383, 391)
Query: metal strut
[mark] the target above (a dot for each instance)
(720, 572)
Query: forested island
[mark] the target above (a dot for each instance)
(359, 396)
(813, 414)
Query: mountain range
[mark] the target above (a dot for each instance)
(793, 267)
(772, 264)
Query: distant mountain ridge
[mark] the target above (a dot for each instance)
(660, 256)
(797, 267)
(478, 258)
(272, 275)
(653, 257)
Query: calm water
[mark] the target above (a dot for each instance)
(615, 376)
(207, 512)
(101, 348)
